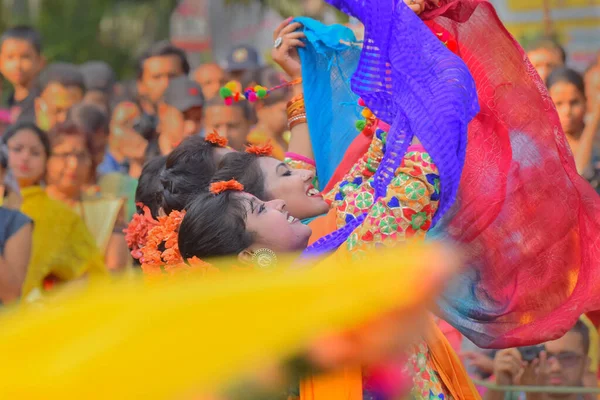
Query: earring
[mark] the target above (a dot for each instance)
(264, 259)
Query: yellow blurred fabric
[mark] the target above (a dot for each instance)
(194, 334)
(62, 245)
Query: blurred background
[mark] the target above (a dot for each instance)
(116, 31)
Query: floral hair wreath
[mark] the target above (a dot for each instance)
(216, 139)
(165, 232)
(264, 150)
(223, 186)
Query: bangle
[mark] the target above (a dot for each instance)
(296, 106)
(296, 120)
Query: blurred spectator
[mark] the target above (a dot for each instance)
(61, 87)
(63, 248)
(271, 113)
(232, 122)
(70, 165)
(546, 55)
(70, 172)
(562, 362)
(99, 79)
(90, 120)
(592, 87)
(155, 68)
(180, 116)
(210, 77)
(241, 59)
(567, 90)
(21, 61)
(15, 238)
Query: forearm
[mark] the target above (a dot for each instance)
(300, 141)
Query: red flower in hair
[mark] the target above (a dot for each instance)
(136, 233)
(216, 139)
(220, 187)
(265, 150)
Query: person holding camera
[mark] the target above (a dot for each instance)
(559, 363)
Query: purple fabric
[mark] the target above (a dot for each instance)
(411, 81)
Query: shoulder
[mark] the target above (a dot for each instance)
(10, 222)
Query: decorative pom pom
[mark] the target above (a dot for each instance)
(233, 86)
(225, 92)
(216, 139)
(360, 125)
(252, 97)
(262, 93)
(229, 101)
(366, 113)
(361, 103)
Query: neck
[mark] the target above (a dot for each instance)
(69, 197)
(21, 92)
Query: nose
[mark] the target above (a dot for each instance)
(277, 204)
(307, 175)
(554, 364)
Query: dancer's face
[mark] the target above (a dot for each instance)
(571, 107)
(274, 228)
(294, 186)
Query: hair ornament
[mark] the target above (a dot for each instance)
(223, 186)
(232, 91)
(164, 233)
(136, 233)
(264, 150)
(216, 139)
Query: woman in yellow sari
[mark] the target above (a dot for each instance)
(63, 249)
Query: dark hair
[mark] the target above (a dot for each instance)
(88, 118)
(26, 33)
(550, 44)
(149, 189)
(31, 126)
(568, 75)
(70, 129)
(581, 328)
(66, 74)
(246, 108)
(188, 171)
(214, 225)
(162, 49)
(244, 168)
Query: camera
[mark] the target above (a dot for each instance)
(530, 353)
(146, 126)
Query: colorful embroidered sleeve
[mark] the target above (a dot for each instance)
(360, 172)
(404, 212)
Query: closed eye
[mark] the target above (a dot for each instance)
(284, 170)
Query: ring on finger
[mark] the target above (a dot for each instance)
(278, 42)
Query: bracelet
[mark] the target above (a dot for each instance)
(296, 106)
(297, 120)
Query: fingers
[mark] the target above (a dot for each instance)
(290, 28)
(283, 24)
(296, 43)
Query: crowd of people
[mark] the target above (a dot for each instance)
(224, 152)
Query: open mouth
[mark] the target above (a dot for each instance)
(291, 219)
(313, 192)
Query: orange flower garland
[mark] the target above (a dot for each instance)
(265, 150)
(136, 233)
(223, 186)
(166, 231)
(216, 139)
